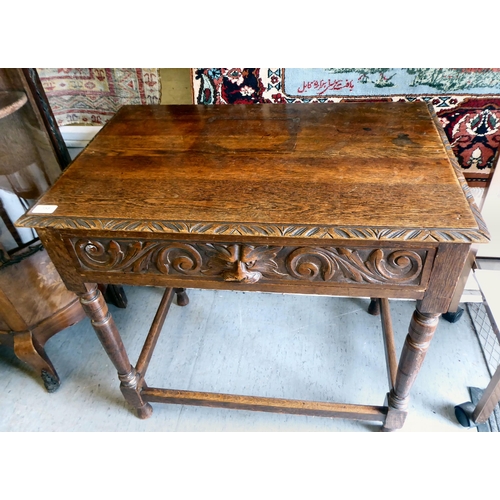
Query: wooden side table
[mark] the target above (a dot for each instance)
(356, 199)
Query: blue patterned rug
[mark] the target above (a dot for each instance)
(466, 100)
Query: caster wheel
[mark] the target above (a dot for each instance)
(453, 317)
(463, 413)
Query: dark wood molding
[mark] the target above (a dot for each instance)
(43, 106)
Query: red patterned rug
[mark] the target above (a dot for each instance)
(91, 96)
(466, 100)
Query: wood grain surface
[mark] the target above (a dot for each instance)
(346, 165)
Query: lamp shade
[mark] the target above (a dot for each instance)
(21, 170)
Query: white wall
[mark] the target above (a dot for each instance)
(14, 210)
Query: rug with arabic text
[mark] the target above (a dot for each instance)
(466, 100)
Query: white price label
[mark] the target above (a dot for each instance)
(44, 209)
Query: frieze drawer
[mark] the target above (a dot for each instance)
(253, 263)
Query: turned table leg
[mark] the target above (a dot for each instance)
(96, 309)
(422, 328)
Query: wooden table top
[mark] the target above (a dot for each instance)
(342, 170)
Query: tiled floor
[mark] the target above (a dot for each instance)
(274, 345)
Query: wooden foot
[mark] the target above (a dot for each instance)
(29, 350)
(131, 389)
(182, 298)
(145, 411)
(374, 307)
(96, 309)
(50, 380)
(396, 413)
(421, 331)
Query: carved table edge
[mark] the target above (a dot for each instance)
(482, 229)
(439, 235)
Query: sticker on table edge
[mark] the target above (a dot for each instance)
(44, 209)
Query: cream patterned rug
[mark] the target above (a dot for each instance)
(91, 96)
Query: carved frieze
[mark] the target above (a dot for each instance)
(344, 264)
(457, 235)
(251, 263)
(138, 256)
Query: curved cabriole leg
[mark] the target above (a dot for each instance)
(96, 309)
(182, 298)
(422, 328)
(29, 350)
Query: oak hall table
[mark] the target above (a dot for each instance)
(347, 199)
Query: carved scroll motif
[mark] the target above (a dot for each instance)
(343, 264)
(245, 263)
(138, 256)
(251, 263)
